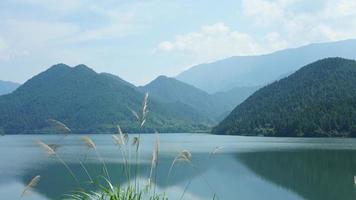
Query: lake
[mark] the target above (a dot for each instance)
(248, 168)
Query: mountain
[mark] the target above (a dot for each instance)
(88, 102)
(228, 100)
(317, 100)
(7, 87)
(170, 90)
(247, 71)
(118, 79)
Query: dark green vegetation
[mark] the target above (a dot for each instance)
(88, 102)
(7, 87)
(318, 100)
(246, 71)
(170, 90)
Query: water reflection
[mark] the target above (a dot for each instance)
(246, 168)
(313, 174)
(56, 181)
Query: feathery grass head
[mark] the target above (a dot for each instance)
(126, 138)
(121, 140)
(156, 150)
(119, 131)
(88, 142)
(154, 160)
(184, 155)
(144, 110)
(141, 118)
(54, 146)
(49, 150)
(59, 126)
(134, 113)
(216, 150)
(34, 181)
(117, 140)
(136, 142)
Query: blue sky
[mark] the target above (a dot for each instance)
(139, 40)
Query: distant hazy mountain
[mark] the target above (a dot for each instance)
(230, 99)
(318, 100)
(7, 87)
(170, 90)
(242, 71)
(88, 102)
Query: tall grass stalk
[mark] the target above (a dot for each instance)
(154, 162)
(122, 141)
(91, 145)
(141, 119)
(130, 192)
(52, 152)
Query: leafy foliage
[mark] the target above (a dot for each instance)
(318, 100)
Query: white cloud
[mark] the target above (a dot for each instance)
(26, 36)
(265, 12)
(331, 21)
(280, 25)
(212, 42)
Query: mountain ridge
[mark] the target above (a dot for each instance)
(252, 71)
(168, 89)
(316, 101)
(87, 102)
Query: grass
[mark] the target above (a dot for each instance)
(104, 189)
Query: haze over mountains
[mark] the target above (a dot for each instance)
(7, 87)
(247, 71)
(214, 106)
(89, 102)
(317, 100)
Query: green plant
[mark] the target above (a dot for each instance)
(104, 188)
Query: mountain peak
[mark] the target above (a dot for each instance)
(83, 68)
(64, 67)
(58, 67)
(162, 78)
(88, 102)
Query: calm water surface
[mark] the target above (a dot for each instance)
(243, 168)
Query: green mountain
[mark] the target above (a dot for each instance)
(247, 71)
(88, 102)
(7, 87)
(170, 90)
(317, 100)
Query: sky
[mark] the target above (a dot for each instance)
(141, 39)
